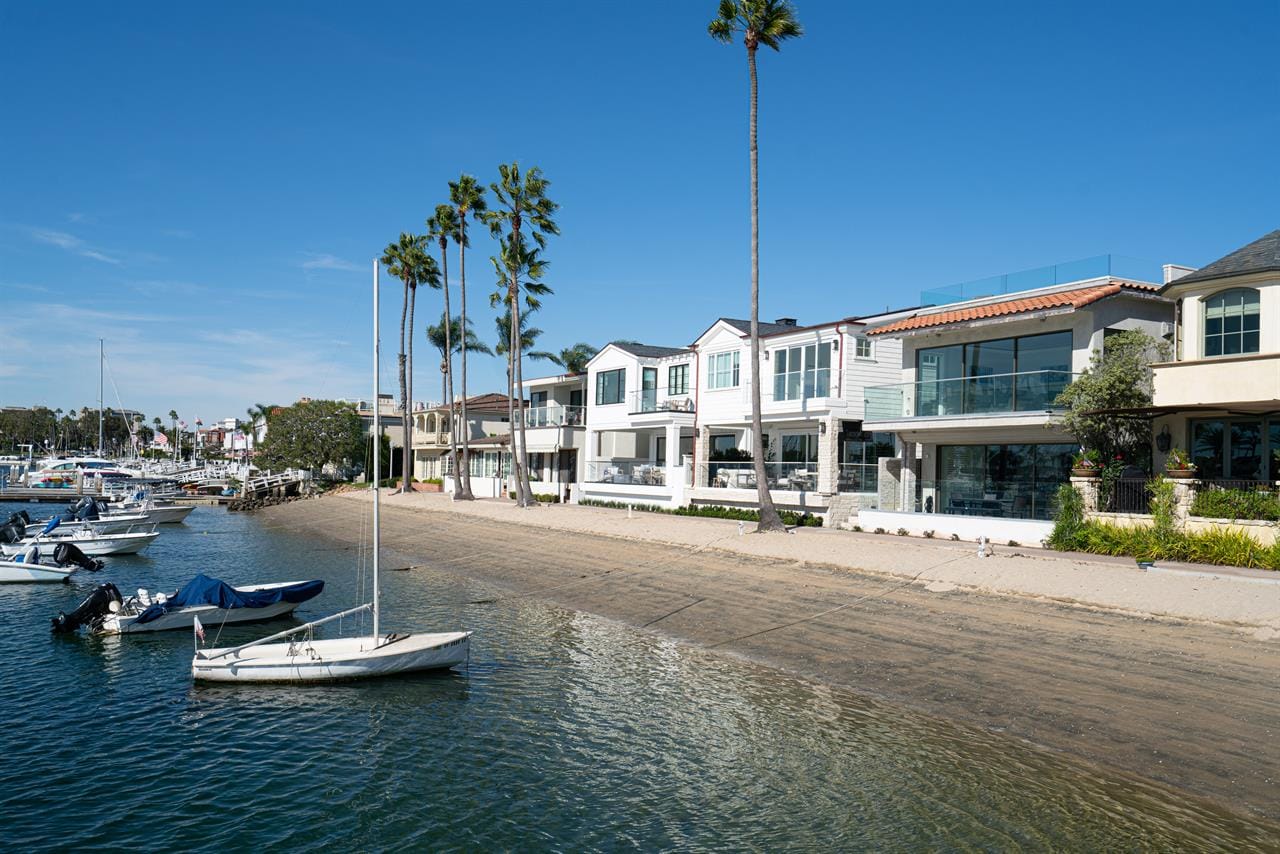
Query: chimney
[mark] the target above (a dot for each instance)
(786, 321)
(1172, 272)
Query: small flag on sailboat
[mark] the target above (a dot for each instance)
(199, 629)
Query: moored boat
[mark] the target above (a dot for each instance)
(90, 542)
(33, 565)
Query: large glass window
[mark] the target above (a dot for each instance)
(860, 455)
(1013, 481)
(610, 386)
(1236, 448)
(802, 372)
(678, 379)
(800, 448)
(723, 371)
(1231, 323)
(723, 446)
(1001, 375)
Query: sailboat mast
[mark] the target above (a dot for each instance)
(377, 452)
(100, 397)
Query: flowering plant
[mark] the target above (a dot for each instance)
(1087, 460)
(1179, 460)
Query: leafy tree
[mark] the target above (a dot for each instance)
(467, 196)
(769, 23)
(312, 434)
(522, 211)
(447, 338)
(408, 261)
(1118, 377)
(574, 359)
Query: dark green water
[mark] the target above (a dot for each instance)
(567, 732)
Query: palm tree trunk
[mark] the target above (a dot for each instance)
(447, 382)
(511, 412)
(769, 519)
(404, 317)
(529, 500)
(462, 430)
(406, 461)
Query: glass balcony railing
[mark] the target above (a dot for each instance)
(1098, 266)
(555, 415)
(626, 471)
(658, 400)
(1031, 391)
(741, 474)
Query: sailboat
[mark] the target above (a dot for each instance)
(307, 659)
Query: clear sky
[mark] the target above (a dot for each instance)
(204, 185)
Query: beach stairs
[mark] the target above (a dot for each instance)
(842, 512)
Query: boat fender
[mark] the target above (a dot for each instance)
(91, 611)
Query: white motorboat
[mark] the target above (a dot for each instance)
(305, 659)
(89, 541)
(213, 602)
(64, 473)
(33, 566)
(158, 512)
(103, 525)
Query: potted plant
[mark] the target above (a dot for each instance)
(1086, 464)
(1178, 465)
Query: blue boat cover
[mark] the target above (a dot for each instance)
(203, 590)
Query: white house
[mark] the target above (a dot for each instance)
(1219, 398)
(974, 412)
(555, 429)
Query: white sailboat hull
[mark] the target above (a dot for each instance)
(333, 660)
(19, 573)
(93, 545)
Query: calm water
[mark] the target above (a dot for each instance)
(567, 732)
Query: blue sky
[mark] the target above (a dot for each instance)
(204, 186)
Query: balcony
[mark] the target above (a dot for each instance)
(627, 472)
(795, 477)
(554, 415)
(657, 401)
(1246, 383)
(960, 397)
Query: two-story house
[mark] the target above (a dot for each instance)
(555, 429)
(1220, 397)
(811, 402)
(639, 424)
(975, 414)
(488, 429)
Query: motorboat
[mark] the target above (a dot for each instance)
(66, 472)
(104, 525)
(301, 657)
(156, 510)
(32, 565)
(90, 542)
(211, 601)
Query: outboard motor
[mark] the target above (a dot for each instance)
(11, 532)
(21, 517)
(66, 554)
(91, 611)
(88, 512)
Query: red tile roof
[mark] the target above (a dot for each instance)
(1062, 299)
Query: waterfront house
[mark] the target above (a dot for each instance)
(1219, 398)
(815, 444)
(981, 452)
(555, 430)
(488, 427)
(639, 424)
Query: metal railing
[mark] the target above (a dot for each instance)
(657, 400)
(741, 474)
(626, 471)
(1029, 391)
(1126, 495)
(555, 415)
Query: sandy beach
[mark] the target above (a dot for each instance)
(1169, 675)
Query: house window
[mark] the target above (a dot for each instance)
(802, 372)
(862, 348)
(800, 448)
(723, 446)
(1231, 323)
(1003, 375)
(678, 379)
(1013, 481)
(724, 370)
(610, 386)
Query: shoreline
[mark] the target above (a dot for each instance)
(1184, 701)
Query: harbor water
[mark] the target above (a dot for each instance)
(565, 732)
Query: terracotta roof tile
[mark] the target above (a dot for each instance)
(1062, 299)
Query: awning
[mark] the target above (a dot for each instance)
(1253, 408)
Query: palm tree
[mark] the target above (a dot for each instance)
(448, 339)
(173, 418)
(574, 359)
(404, 259)
(519, 266)
(467, 196)
(521, 200)
(767, 22)
(443, 227)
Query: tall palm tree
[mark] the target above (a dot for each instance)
(467, 196)
(574, 359)
(519, 267)
(443, 227)
(767, 22)
(173, 418)
(521, 201)
(405, 259)
(449, 339)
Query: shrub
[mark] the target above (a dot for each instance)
(541, 498)
(878, 531)
(438, 481)
(1221, 547)
(857, 528)
(1236, 504)
(1070, 519)
(1013, 544)
(928, 535)
(902, 532)
(1163, 504)
(955, 538)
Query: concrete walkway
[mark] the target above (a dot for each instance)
(1246, 600)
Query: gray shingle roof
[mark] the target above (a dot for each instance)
(647, 351)
(744, 326)
(1262, 255)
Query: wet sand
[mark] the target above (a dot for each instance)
(1187, 704)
